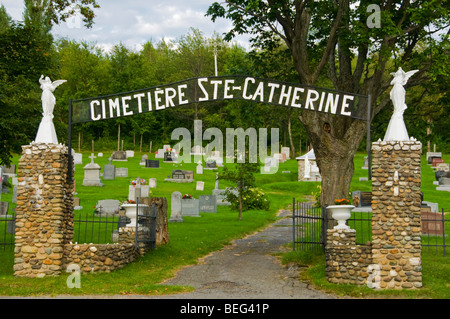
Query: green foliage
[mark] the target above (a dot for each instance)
(243, 177)
(252, 199)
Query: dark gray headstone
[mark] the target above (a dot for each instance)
(210, 164)
(169, 157)
(4, 206)
(207, 203)
(152, 163)
(119, 156)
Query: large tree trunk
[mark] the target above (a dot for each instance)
(335, 141)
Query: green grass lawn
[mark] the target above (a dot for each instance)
(197, 237)
(436, 266)
(189, 241)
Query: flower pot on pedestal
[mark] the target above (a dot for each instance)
(341, 213)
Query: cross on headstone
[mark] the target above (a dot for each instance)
(92, 158)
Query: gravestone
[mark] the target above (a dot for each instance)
(366, 163)
(169, 157)
(207, 203)
(199, 168)
(444, 184)
(152, 163)
(122, 172)
(175, 209)
(78, 158)
(362, 199)
(77, 203)
(14, 198)
(197, 150)
(138, 191)
(92, 173)
(438, 174)
(215, 156)
(436, 161)
(129, 153)
(178, 174)
(11, 227)
(4, 206)
(211, 165)
(152, 182)
(108, 207)
(442, 167)
(190, 207)
(181, 176)
(109, 171)
(432, 223)
(200, 186)
(270, 165)
(100, 154)
(144, 158)
(119, 156)
(159, 153)
(286, 151)
(9, 171)
(431, 155)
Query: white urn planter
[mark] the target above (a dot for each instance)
(130, 212)
(341, 213)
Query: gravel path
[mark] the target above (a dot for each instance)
(247, 269)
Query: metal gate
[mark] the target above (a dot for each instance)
(309, 226)
(145, 226)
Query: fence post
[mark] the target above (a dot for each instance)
(443, 230)
(293, 224)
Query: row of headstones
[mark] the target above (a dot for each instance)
(7, 172)
(190, 206)
(442, 172)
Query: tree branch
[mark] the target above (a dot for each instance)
(330, 45)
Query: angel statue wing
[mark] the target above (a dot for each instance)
(57, 83)
(407, 75)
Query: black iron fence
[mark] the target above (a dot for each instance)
(93, 227)
(309, 228)
(7, 238)
(434, 231)
(309, 231)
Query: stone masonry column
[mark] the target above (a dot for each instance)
(396, 224)
(44, 212)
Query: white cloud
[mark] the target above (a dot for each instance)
(135, 22)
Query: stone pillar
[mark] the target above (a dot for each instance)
(396, 224)
(44, 212)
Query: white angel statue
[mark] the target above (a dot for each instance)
(46, 132)
(396, 130)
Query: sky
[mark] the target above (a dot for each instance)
(134, 22)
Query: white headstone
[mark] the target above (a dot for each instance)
(199, 168)
(200, 186)
(78, 158)
(175, 207)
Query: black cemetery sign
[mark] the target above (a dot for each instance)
(209, 89)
